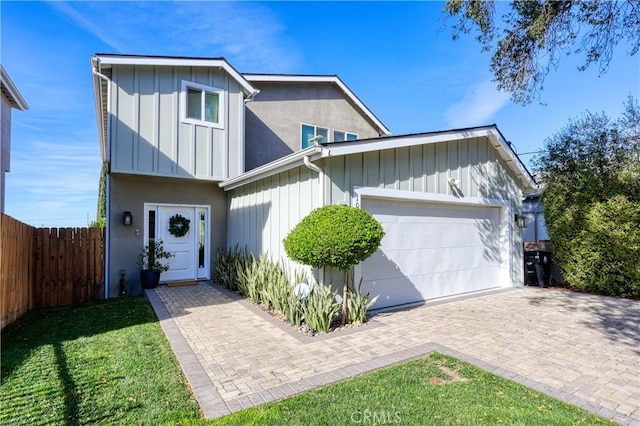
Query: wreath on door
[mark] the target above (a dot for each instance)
(178, 225)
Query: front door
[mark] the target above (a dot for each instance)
(182, 266)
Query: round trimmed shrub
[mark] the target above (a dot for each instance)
(336, 236)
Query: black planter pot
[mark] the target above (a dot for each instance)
(149, 279)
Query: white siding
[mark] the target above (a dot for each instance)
(261, 214)
(148, 137)
(481, 173)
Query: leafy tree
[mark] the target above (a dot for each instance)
(335, 236)
(538, 33)
(591, 199)
(101, 210)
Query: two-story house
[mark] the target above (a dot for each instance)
(246, 156)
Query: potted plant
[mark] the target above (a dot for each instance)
(150, 263)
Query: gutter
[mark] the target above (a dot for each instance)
(275, 167)
(103, 134)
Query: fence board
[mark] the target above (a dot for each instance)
(44, 267)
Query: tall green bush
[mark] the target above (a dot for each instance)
(335, 236)
(591, 201)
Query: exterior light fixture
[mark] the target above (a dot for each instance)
(522, 221)
(127, 219)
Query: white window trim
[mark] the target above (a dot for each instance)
(315, 132)
(333, 133)
(330, 133)
(183, 104)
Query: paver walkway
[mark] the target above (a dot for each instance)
(580, 348)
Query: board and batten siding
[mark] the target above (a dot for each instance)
(474, 163)
(262, 213)
(147, 136)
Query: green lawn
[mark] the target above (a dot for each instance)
(99, 363)
(433, 390)
(110, 363)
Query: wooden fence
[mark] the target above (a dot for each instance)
(46, 267)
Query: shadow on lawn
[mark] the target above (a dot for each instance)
(54, 326)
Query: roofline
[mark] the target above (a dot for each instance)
(282, 164)
(106, 60)
(336, 149)
(490, 131)
(15, 98)
(305, 78)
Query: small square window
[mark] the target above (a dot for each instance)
(201, 104)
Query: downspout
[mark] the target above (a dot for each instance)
(107, 153)
(321, 192)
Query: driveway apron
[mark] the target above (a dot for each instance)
(580, 348)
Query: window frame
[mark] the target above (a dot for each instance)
(184, 87)
(315, 133)
(346, 135)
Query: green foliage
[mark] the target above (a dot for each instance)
(592, 202)
(536, 34)
(151, 256)
(228, 265)
(101, 210)
(100, 222)
(321, 308)
(336, 236)
(358, 305)
(602, 254)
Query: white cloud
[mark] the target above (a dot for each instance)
(250, 36)
(477, 106)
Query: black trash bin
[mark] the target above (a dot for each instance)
(537, 267)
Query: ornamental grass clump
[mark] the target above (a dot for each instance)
(321, 308)
(335, 236)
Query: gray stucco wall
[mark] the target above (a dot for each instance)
(148, 136)
(5, 145)
(274, 117)
(130, 193)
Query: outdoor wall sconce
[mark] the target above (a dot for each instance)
(522, 221)
(127, 219)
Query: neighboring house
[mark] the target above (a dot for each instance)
(536, 230)
(247, 156)
(11, 98)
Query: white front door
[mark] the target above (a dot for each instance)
(182, 266)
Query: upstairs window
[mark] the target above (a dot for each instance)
(339, 136)
(309, 132)
(202, 104)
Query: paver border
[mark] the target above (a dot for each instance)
(211, 403)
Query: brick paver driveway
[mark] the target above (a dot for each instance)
(580, 348)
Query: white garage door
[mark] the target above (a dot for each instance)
(431, 250)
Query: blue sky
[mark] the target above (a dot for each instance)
(395, 56)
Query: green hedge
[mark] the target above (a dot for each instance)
(597, 246)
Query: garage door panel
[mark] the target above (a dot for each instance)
(402, 290)
(414, 262)
(412, 237)
(432, 250)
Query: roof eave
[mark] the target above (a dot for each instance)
(15, 98)
(280, 165)
(334, 79)
(109, 60)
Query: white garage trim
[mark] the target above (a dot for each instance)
(505, 215)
